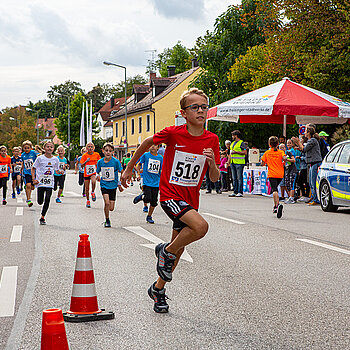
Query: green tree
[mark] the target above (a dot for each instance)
(100, 94)
(178, 55)
(130, 81)
(61, 122)
(58, 95)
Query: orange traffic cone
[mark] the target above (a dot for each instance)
(83, 306)
(53, 333)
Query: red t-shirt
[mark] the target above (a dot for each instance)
(4, 165)
(184, 165)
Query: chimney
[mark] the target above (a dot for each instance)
(171, 70)
(152, 75)
(112, 102)
(194, 62)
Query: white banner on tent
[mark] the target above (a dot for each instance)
(305, 119)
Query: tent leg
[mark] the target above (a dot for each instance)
(285, 126)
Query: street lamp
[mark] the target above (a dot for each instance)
(37, 123)
(68, 97)
(126, 108)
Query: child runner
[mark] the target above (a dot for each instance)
(290, 172)
(223, 171)
(43, 177)
(16, 164)
(89, 161)
(190, 151)
(152, 167)
(5, 169)
(109, 168)
(28, 157)
(283, 184)
(60, 177)
(274, 158)
(79, 168)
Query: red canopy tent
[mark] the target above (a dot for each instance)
(284, 102)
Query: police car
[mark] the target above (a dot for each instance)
(333, 179)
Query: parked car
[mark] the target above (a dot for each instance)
(333, 179)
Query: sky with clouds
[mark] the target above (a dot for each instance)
(45, 43)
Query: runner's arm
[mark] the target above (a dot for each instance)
(145, 145)
(214, 172)
(35, 181)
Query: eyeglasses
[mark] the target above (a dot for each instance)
(195, 107)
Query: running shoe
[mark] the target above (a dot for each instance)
(287, 201)
(107, 223)
(4, 202)
(165, 262)
(292, 200)
(42, 221)
(145, 209)
(18, 190)
(159, 297)
(62, 195)
(218, 191)
(14, 195)
(88, 204)
(58, 200)
(30, 203)
(93, 196)
(279, 211)
(149, 219)
(239, 195)
(232, 195)
(275, 209)
(312, 203)
(208, 191)
(138, 198)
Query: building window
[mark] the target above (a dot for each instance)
(116, 129)
(132, 126)
(140, 125)
(148, 123)
(123, 128)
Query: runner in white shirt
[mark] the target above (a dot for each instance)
(43, 177)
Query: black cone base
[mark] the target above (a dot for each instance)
(104, 315)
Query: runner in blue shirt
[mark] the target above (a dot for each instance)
(152, 166)
(16, 164)
(60, 178)
(107, 174)
(28, 156)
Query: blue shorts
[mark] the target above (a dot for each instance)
(28, 179)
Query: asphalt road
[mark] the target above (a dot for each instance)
(255, 282)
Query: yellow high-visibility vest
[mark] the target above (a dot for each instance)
(237, 158)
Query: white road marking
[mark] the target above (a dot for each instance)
(73, 194)
(323, 245)
(16, 235)
(19, 211)
(154, 239)
(19, 200)
(8, 285)
(226, 219)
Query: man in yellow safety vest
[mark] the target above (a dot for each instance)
(238, 151)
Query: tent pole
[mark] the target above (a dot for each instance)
(285, 126)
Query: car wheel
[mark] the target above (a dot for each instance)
(326, 198)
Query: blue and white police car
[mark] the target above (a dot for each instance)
(333, 179)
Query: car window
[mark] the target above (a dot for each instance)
(331, 155)
(344, 157)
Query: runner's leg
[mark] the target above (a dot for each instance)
(48, 193)
(93, 183)
(107, 204)
(87, 187)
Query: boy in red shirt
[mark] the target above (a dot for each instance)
(89, 161)
(5, 162)
(190, 151)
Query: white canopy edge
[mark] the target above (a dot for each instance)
(305, 119)
(230, 118)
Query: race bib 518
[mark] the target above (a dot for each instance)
(187, 169)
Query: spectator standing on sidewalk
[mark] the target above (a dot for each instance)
(313, 158)
(223, 171)
(238, 151)
(229, 174)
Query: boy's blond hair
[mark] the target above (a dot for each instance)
(27, 142)
(48, 141)
(3, 146)
(189, 92)
(15, 148)
(108, 144)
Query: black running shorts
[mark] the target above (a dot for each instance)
(274, 182)
(175, 210)
(112, 193)
(150, 195)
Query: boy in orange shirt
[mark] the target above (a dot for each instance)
(274, 158)
(5, 162)
(89, 161)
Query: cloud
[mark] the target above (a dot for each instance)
(192, 9)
